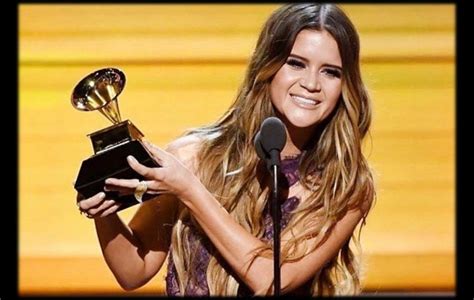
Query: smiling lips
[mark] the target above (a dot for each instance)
(304, 101)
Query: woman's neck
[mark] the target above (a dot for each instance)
(296, 139)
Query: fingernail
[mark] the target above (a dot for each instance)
(130, 158)
(101, 195)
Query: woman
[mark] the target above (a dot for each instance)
(211, 215)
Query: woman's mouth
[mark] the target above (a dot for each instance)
(305, 102)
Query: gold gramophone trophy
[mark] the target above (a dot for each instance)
(99, 91)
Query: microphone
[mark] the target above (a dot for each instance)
(270, 140)
(258, 147)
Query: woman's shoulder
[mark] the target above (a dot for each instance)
(184, 145)
(185, 148)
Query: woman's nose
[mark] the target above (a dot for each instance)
(311, 82)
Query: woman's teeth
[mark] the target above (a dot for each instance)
(303, 100)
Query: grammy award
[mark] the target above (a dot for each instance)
(99, 91)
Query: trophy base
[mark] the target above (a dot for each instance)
(114, 135)
(112, 163)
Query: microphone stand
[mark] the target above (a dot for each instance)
(274, 164)
(276, 231)
(269, 141)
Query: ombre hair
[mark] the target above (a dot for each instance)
(228, 165)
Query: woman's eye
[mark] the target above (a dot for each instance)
(333, 73)
(295, 63)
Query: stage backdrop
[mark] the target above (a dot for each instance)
(184, 64)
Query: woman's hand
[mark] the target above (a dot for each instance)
(172, 177)
(97, 205)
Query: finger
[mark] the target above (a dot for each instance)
(158, 153)
(89, 215)
(156, 185)
(102, 207)
(121, 183)
(92, 201)
(158, 175)
(79, 197)
(112, 209)
(139, 168)
(118, 190)
(158, 192)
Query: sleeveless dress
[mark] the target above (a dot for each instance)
(198, 286)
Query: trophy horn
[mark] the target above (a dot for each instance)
(99, 91)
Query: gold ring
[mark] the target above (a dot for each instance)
(140, 190)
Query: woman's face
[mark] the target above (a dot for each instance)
(307, 87)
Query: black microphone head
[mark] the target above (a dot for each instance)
(272, 134)
(258, 146)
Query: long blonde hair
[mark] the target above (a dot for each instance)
(228, 165)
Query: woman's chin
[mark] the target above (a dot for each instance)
(302, 123)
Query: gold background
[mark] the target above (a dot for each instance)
(184, 64)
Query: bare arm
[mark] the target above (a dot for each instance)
(234, 243)
(134, 253)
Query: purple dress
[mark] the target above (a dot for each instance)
(198, 286)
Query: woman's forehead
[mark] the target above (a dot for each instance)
(317, 44)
